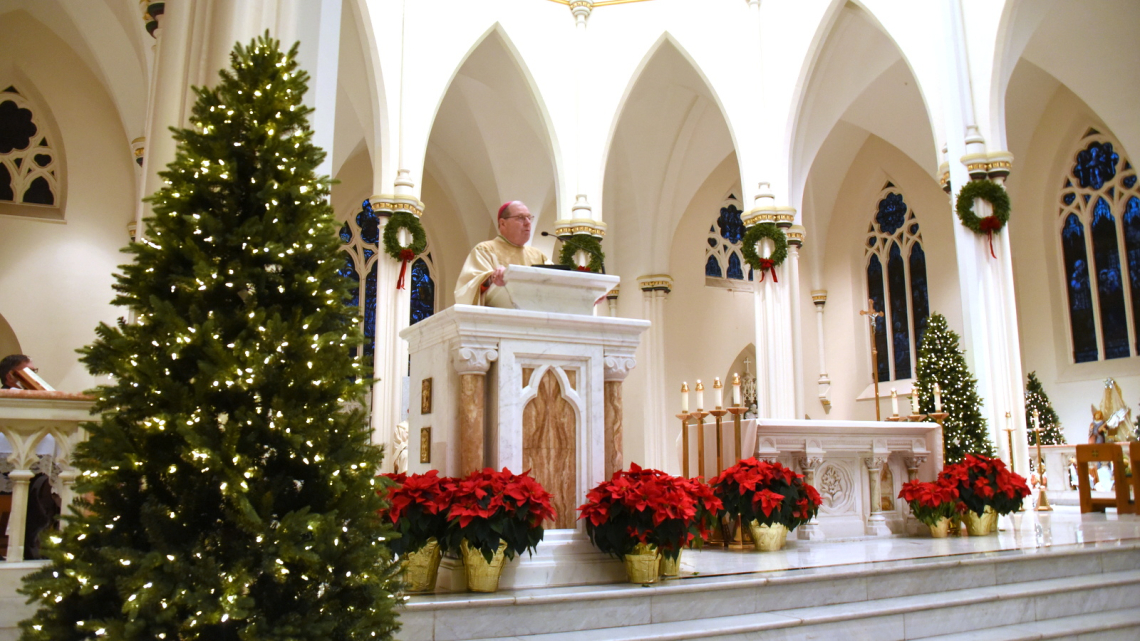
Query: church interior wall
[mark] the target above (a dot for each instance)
(1046, 134)
(846, 332)
(55, 286)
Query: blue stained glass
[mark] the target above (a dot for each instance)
(731, 227)
(369, 224)
(1109, 283)
(735, 270)
(1132, 252)
(712, 268)
(712, 242)
(749, 273)
(346, 233)
(1069, 198)
(348, 270)
(370, 315)
(914, 229)
(1096, 165)
(1129, 181)
(900, 324)
(875, 293)
(892, 213)
(423, 292)
(1080, 294)
(919, 296)
(369, 253)
(871, 242)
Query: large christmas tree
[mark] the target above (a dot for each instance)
(941, 360)
(234, 493)
(1036, 399)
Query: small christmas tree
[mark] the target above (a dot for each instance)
(940, 360)
(234, 493)
(1036, 399)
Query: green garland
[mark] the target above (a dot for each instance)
(990, 192)
(753, 236)
(583, 242)
(404, 220)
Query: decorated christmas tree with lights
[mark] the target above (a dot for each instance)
(941, 360)
(1036, 399)
(231, 490)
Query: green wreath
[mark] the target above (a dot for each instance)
(404, 220)
(992, 193)
(753, 236)
(583, 242)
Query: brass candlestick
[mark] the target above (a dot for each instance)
(700, 416)
(939, 417)
(1042, 498)
(871, 315)
(916, 418)
(719, 414)
(684, 416)
(737, 413)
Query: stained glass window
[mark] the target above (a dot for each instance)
(900, 292)
(724, 260)
(28, 167)
(423, 290)
(1100, 246)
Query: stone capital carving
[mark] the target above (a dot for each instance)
(810, 463)
(474, 359)
(874, 463)
(914, 462)
(617, 366)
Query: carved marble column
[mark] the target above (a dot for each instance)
(819, 297)
(617, 366)
(809, 465)
(876, 522)
(795, 235)
(472, 362)
(18, 520)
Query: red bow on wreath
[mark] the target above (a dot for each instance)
(406, 255)
(767, 264)
(990, 224)
(583, 268)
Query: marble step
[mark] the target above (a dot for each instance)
(867, 595)
(971, 611)
(1115, 624)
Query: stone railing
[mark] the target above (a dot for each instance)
(1056, 466)
(40, 430)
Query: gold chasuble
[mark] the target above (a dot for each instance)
(482, 261)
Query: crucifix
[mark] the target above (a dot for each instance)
(871, 315)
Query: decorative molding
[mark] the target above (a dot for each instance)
(819, 297)
(138, 148)
(152, 10)
(580, 226)
(796, 234)
(655, 282)
(617, 365)
(913, 462)
(875, 463)
(387, 204)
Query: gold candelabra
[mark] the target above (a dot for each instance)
(1042, 498)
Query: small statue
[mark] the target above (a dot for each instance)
(1098, 430)
(1117, 416)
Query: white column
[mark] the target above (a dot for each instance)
(795, 241)
(655, 290)
(393, 310)
(989, 333)
(775, 366)
(819, 297)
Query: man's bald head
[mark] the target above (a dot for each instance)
(515, 222)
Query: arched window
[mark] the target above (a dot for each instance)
(361, 236)
(423, 287)
(724, 261)
(1099, 228)
(29, 171)
(896, 282)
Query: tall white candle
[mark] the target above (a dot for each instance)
(700, 395)
(894, 402)
(1036, 420)
(914, 409)
(718, 392)
(937, 398)
(736, 390)
(684, 398)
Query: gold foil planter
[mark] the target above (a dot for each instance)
(670, 568)
(643, 564)
(481, 575)
(941, 529)
(980, 525)
(768, 538)
(421, 567)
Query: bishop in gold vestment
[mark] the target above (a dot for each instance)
(481, 281)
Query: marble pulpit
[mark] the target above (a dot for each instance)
(525, 389)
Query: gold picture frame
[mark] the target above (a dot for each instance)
(425, 445)
(425, 396)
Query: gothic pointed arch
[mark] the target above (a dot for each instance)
(32, 167)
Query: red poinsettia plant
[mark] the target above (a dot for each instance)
(931, 502)
(489, 507)
(981, 481)
(767, 492)
(647, 506)
(417, 508)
